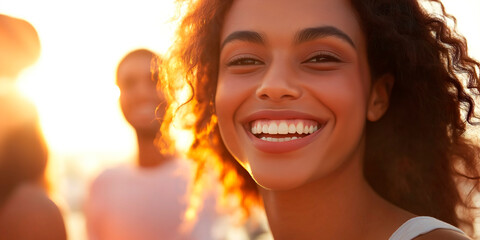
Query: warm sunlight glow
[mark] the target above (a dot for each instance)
(73, 84)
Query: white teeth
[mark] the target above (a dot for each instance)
(271, 139)
(300, 128)
(292, 128)
(272, 128)
(265, 128)
(283, 128)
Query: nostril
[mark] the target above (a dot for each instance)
(278, 92)
(275, 97)
(263, 96)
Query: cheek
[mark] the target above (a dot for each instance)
(349, 104)
(349, 108)
(346, 98)
(124, 103)
(224, 113)
(340, 92)
(230, 97)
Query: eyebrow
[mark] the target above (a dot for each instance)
(309, 34)
(304, 35)
(248, 36)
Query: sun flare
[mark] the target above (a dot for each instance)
(72, 84)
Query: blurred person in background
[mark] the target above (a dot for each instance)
(26, 211)
(146, 200)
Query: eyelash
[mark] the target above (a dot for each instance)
(244, 61)
(249, 61)
(323, 58)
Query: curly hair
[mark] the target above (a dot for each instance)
(417, 154)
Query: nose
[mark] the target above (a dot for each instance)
(146, 90)
(279, 83)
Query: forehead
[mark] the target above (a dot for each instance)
(285, 17)
(135, 63)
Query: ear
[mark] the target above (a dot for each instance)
(379, 99)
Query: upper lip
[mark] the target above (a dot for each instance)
(281, 114)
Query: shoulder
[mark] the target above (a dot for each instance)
(110, 176)
(30, 197)
(29, 208)
(107, 185)
(427, 228)
(116, 171)
(443, 234)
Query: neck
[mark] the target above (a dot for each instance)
(148, 153)
(339, 206)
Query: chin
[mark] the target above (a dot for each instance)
(147, 128)
(274, 181)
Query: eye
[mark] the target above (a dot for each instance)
(323, 61)
(244, 61)
(323, 58)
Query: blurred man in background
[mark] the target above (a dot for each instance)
(146, 200)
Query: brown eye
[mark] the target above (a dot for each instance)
(323, 58)
(244, 62)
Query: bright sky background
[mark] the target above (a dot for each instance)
(72, 84)
(73, 87)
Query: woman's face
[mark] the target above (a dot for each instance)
(293, 88)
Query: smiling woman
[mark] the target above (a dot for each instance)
(317, 108)
(73, 83)
(325, 65)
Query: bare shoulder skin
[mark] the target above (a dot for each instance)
(30, 214)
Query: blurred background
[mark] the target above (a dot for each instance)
(73, 83)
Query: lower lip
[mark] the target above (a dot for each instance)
(283, 147)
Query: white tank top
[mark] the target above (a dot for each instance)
(418, 226)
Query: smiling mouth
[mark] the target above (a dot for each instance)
(283, 130)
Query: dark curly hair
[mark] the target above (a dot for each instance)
(417, 155)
